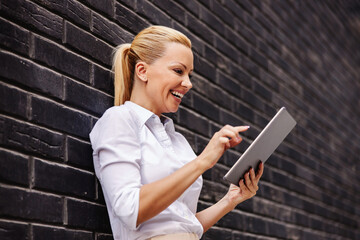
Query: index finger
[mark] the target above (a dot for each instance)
(241, 128)
(260, 171)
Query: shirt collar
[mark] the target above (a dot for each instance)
(144, 115)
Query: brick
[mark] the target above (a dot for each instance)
(234, 7)
(237, 41)
(223, 13)
(42, 232)
(196, 44)
(85, 98)
(106, 6)
(245, 236)
(172, 9)
(277, 229)
(234, 220)
(32, 139)
(14, 168)
(14, 37)
(193, 122)
(217, 233)
(205, 69)
(70, 9)
(240, 75)
(78, 13)
(35, 17)
(212, 92)
(205, 107)
(69, 121)
(25, 205)
(212, 192)
(29, 74)
(211, 20)
(63, 179)
(256, 225)
(100, 195)
(152, 13)
(61, 59)
(10, 96)
(262, 91)
(87, 216)
(246, 5)
(245, 32)
(244, 111)
(102, 236)
(259, 59)
(103, 79)
(229, 118)
(253, 100)
(255, 26)
(13, 230)
(109, 31)
(227, 49)
(79, 153)
(127, 18)
(87, 44)
(229, 84)
(251, 67)
(192, 6)
(199, 29)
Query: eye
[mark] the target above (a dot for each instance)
(178, 71)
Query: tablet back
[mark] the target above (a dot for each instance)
(263, 146)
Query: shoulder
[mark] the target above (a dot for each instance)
(116, 115)
(116, 120)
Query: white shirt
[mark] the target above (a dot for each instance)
(132, 147)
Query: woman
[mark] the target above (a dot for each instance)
(150, 176)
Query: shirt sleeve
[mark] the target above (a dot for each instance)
(116, 143)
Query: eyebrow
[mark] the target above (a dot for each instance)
(182, 65)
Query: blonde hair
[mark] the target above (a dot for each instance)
(148, 45)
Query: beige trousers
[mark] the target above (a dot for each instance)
(176, 236)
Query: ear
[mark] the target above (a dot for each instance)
(141, 71)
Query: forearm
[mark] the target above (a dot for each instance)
(157, 196)
(209, 216)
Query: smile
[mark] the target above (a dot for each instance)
(177, 94)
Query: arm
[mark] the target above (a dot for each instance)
(157, 196)
(234, 196)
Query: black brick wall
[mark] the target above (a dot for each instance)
(252, 57)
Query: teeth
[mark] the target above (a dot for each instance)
(177, 94)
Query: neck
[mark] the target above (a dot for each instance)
(139, 96)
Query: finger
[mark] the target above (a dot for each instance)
(253, 179)
(260, 171)
(241, 128)
(242, 184)
(249, 184)
(230, 134)
(225, 141)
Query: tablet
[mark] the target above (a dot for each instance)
(263, 146)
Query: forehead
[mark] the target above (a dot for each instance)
(176, 52)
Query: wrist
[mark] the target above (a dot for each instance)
(228, 204)
(202, 163)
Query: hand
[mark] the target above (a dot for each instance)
(248, 187)
(225, 138)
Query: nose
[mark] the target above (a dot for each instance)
(187, 82)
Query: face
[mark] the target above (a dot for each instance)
(167, 79)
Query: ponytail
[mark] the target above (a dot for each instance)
(122, 74)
